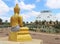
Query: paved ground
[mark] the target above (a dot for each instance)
(4, 40)
(47, 38)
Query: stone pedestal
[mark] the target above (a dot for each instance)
(21, 35)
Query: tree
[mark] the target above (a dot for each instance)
(27, 22)
(57, 28)
(57, 21)
(36, 22)
(6, 21)
(23, 23)
(40, 22)
(0, 21)
(50, 22)
(43, 22)
(31, 22)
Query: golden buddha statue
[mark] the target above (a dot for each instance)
(16, 19)
(18, 32)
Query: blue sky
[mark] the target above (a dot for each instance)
(30, 9)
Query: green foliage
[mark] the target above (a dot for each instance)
(57, 26)
(43, 22)
(36, 22)
(0, 21)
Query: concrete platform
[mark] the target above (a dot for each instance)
(4, 40)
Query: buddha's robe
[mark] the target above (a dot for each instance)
(16, 22)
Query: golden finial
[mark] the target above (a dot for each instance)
(16, 9)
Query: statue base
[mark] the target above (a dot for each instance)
(21, 35)
(4, 40)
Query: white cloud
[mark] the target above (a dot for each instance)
(16, 1)
(11, 8)
(58, 16)
(29, 15)
(3, 7)
(46, 16)
(25, 17)
(37, 0)
(54, 4)
(8, 0)
(34, 13)
(21, 0)
(26, 6)
(5, 18)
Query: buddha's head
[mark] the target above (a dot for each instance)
(16, 9)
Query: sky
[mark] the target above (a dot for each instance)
(30, 9)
